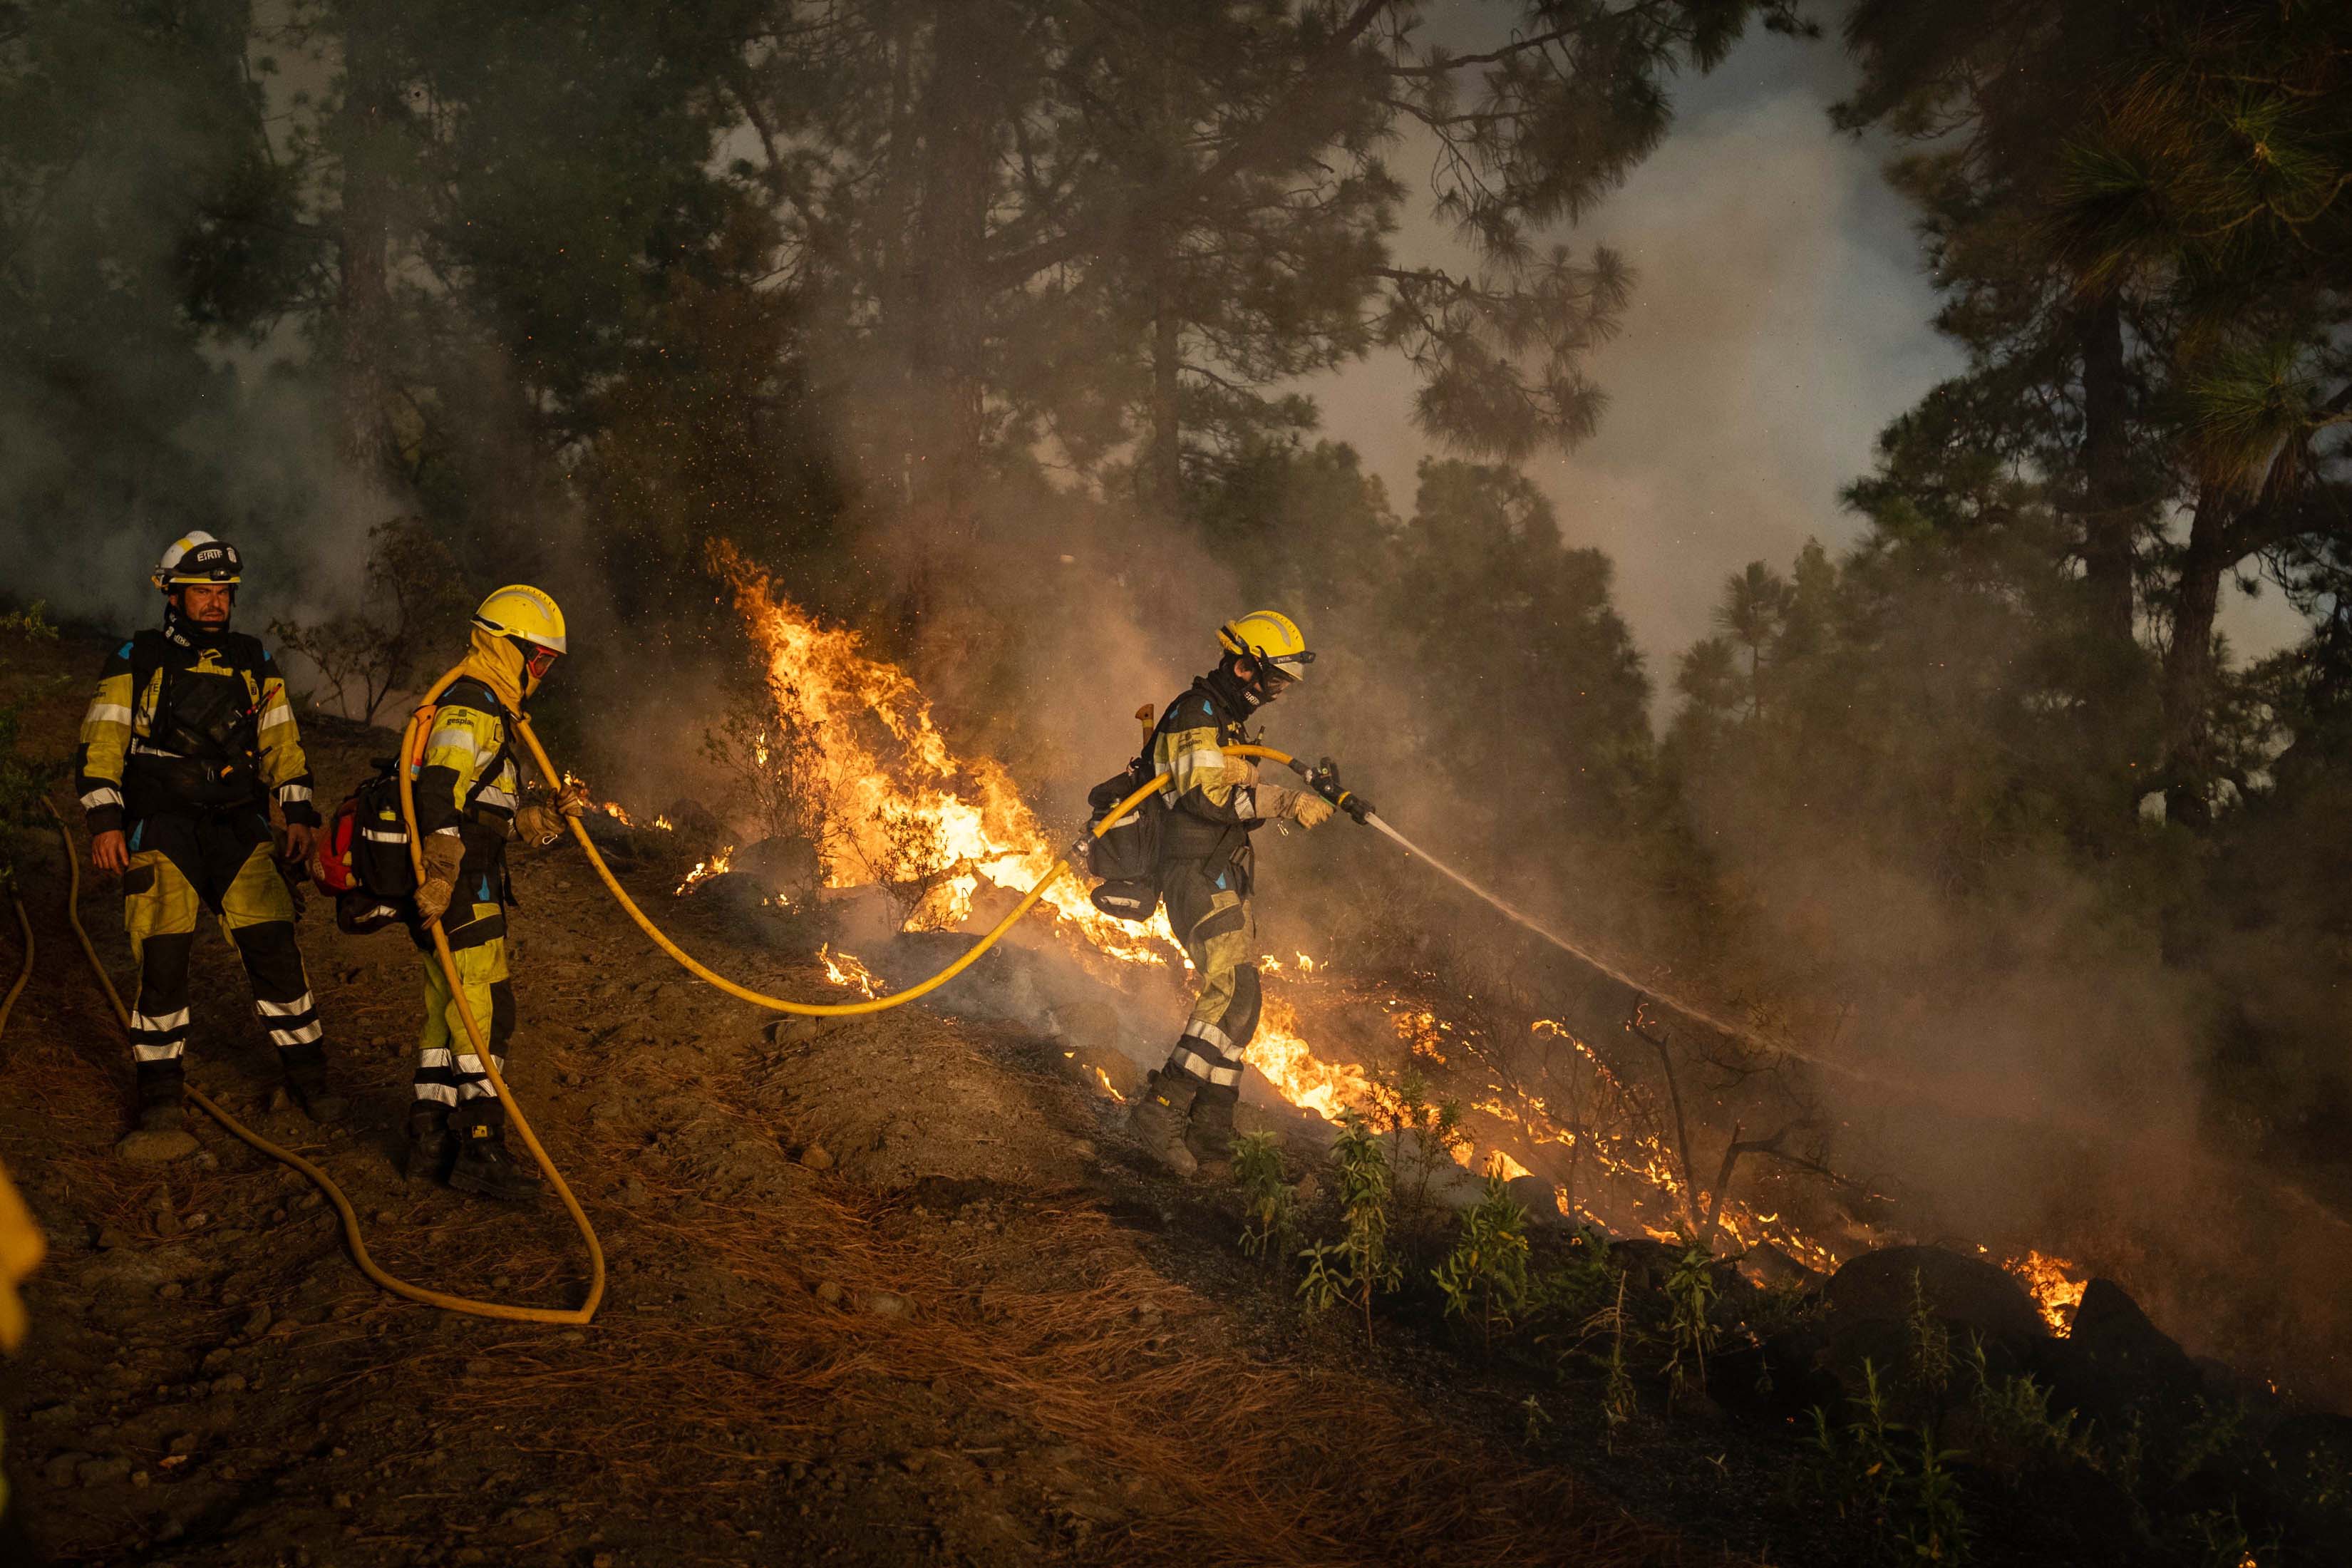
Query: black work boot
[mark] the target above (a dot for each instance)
(162, 1133)
(431, 1143)
(305, 1080)
(483, 1166)
(1209, 1132)
(1159, 1117)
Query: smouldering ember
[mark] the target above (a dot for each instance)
(843, 969)
(2056, 1291)
(706, 870)
(615, 809)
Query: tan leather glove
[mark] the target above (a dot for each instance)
(538, 825)
(572, 800)
(443, 852)
(1301, 807)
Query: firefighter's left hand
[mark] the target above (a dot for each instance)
(572, 800)
(302, 838)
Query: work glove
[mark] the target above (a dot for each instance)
(1309, 810)
(540, 826)
(443, 852)
(572, 800)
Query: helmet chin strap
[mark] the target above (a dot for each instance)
(183, 626)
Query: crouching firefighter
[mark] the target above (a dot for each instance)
(468, 794)
(188, 740)
(1185, 1115)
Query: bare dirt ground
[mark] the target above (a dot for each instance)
(890, 1292)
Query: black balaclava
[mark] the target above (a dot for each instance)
(1239, 697)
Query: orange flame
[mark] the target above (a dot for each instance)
(843, 969)
(706, 870)
(901, 805)
(2056, 1289)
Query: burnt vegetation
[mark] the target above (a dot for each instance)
(1962, 897)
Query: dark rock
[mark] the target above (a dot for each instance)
(62, 1467)
(1538, 1198)
(1967, 1292)
(2119, 1369)
(102, 1472)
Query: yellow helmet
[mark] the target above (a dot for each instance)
(197, 557)
(517, 611)
(1270, 638)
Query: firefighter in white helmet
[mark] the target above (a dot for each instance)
(1185, 1114)
(468, 804)
(187, 744)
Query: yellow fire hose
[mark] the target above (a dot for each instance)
(587, 1309)
(24, 924)
(838, 1009)
(320, 1178)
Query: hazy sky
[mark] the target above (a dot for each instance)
(1779, 318)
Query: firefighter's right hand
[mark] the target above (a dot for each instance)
(110, 853)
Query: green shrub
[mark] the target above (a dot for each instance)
(1353, 1270)
(1484, 1278)
(1271, 1208)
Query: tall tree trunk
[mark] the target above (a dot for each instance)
(2110, 519)
(1163, 484)
(364, 131)
(2188, 662)
(945, 331)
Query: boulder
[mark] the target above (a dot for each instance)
(1967, 1292)
(2117, 1367)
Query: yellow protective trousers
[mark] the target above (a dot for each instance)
(179, 865)
(1210, 913)
(447, 1070)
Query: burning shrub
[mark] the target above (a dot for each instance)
(780, 778)
(910, 862)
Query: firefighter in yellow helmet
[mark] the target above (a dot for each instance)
(468, 804)
(1185, 1114)
(186, 744)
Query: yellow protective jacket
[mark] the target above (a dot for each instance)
(185, 721)
(1212, 798)
(467, 772)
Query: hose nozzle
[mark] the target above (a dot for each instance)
(1323, 778)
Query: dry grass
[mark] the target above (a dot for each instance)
(1267, 1464)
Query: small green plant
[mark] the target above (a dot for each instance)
(23, 781)
(1355, 1269)
(1897, 1479)
(1618, 1403)
(1929, 1344)
(1539, 1420)
(1935, 1520)
(1271, 1209)
(32, 622)
(1423, 1137)
(1691, 1333)
(2218, 1538)
(1484, 1278)
(2015, 1413)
